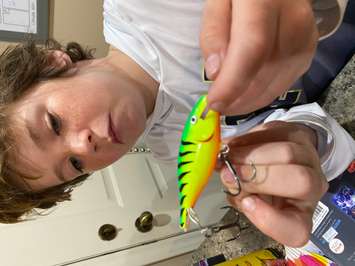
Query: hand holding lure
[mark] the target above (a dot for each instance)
(198, 154)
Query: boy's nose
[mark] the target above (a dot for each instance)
(83, 143)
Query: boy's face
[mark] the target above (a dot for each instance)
(74, 125)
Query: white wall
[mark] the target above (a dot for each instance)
(76, 20)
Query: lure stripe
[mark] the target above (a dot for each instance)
(185, 143)
(182, 187)
(183, 174)
(182, 199)
(182, 154)
(182, 211)
(183, 163)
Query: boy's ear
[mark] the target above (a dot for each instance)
(59, 60)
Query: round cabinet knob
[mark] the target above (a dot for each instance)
(144, 222)
(107, 232)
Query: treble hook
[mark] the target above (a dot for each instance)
(223, 155)
(220, 227)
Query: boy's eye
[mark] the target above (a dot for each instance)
(76, 163)
(54, 123)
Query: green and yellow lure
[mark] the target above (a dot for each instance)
(199, 148)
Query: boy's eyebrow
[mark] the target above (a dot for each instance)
(35, 137)
(59, 173)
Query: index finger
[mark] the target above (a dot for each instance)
(214, 36)
(253, 31)
(275, 131)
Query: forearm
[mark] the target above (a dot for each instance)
(329, 15)
(336, 148)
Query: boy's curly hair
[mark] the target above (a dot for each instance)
(22, 66)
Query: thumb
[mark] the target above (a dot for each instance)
(288, 226)
(214, 36)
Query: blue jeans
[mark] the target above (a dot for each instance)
(332, 55)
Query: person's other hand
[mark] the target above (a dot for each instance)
(288, 181)
(254, 50)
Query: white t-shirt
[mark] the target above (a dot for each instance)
(163, 38)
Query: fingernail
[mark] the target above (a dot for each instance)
(228, 177)
(217, 106)
(212, 65)
(248, 204)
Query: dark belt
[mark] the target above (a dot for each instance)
(290, 98)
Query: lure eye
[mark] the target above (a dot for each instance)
(193, 119)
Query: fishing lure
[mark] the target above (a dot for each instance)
(198, 153)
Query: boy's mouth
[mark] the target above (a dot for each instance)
(113, 132)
